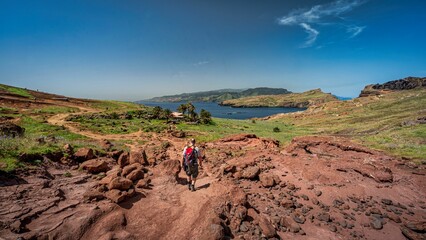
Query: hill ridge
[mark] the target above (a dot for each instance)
(217, 95)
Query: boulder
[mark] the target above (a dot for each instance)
(95, 166)
(115, 171)
(266, 227)
(116, 195)
(253, 214)
(130, 168)
(115, 154)
(267, 180)
(238, 196)
(238, 138)
(250, 172)
(143, 183)
(84, 154)
(135, 175)
(120, 183)
(110, 175)
(138, 156)
(124, 159)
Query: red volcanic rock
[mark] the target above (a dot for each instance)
(135, 175)
(250, 172)
(143, 183)
(270, 143)
(130, 168)
(267, 229)
(95, 166)
(238, 138)
(116, 172)
(84, 154)
(238, 196)
(116, 195)
(124, 159)
(115, 154)
(138, 156)
(120, 183)
(376, 173)
(268, 180)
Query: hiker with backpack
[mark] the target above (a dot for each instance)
(190, 162)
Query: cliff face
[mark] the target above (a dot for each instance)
(396, 85)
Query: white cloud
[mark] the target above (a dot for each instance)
(354, 30)
(318, 14)
(200, 63)
(312, 35)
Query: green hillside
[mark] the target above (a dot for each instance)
(299, 100)
(218, 95)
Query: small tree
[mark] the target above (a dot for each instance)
(205, 116)
(182, 108)
(166, 114)
(191, 111)
(156, 112)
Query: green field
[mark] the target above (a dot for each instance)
(225, 127)
(376, 122)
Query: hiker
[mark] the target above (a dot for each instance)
(190, 161)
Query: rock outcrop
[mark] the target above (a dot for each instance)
(396, 85)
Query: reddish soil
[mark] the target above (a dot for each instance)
(249, 188)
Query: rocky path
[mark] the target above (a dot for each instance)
(168, 210)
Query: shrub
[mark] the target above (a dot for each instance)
(276, 129)
(205, 116)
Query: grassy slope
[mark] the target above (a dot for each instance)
(374, 121)
(224, 127)
(34, 122)
(284, 100)
(15, 90)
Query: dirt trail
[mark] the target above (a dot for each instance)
(171, 211)
(167, 211)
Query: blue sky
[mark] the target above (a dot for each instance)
(132, 50)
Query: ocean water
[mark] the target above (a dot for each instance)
(226, 111)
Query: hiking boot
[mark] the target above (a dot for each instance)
(192, 188)
(189, 186)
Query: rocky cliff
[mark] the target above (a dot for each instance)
(396, 85)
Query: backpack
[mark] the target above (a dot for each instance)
(191, 156)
